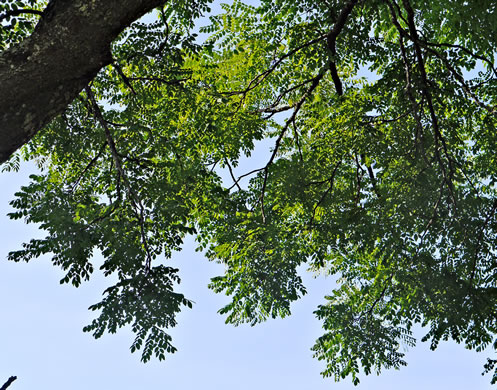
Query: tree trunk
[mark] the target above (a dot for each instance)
(40, 76)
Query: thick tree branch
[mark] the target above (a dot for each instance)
(439, 139)
(415, 109)
(44, 73)
(331, 42)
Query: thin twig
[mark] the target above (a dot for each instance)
(160, 80)
(8, 383)
(17, 12)
(245, 175)
(87, 168)
(231, 173)
(257, 80)
(331, 180)
(480, 239)
(274, 107)
(298, 106)
(123, 76)
(138, 206)
(462, 48)
(377, 119)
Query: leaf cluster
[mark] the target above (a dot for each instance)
(387, 183)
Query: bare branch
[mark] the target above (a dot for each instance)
(232, 175)
(245, 175)
(8, 383)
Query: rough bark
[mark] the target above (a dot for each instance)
(44, 73)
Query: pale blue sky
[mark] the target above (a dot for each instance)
(42, 343)
(41, 338)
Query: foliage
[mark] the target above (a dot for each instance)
(17, 20)
(387, 182)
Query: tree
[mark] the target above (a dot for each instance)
(43, 71)
(388, 183)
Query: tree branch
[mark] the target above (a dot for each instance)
(17, 12)
(290, 120)
(235, 184)
(256, 81)
(45, 72)
(439, 139)
(331, 180)
(331, 42)
(139, 209)
(8, 383)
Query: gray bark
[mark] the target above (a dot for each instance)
(44, 73)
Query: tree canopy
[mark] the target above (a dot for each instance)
(387, 181)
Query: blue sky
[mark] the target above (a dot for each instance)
(41, 338)
(42, 342)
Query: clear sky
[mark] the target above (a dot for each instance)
(41, 338)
